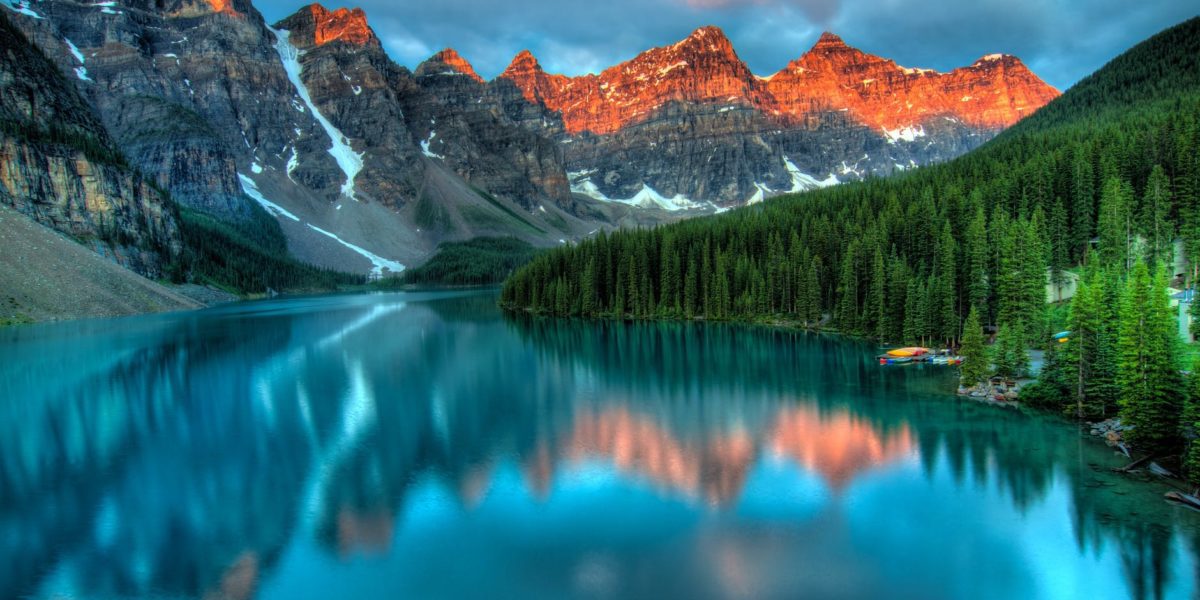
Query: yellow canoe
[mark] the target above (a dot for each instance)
(908, 352)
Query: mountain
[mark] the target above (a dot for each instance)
(309, 119)
(649, 128)
(367, 167)
(905, 259)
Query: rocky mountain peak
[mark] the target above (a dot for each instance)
(829, 40)
(707, 39)
(225, 6)
(449, 61)
(997, 61)
(523, 63)
(315, 25)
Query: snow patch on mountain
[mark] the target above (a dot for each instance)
(760, 193)
(802, 181)
(647, 197)
(292, 163)
(21, 7)
(348, 160)
(907, 134)
(251, 189)
(379, 262)
(425, 147)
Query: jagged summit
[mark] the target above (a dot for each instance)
(315, 25)
(829, 39)
(707, 40)
(448, 61)
(524, 61)
(993, 93)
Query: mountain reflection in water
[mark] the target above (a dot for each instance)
(423, 445)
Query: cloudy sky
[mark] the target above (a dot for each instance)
(1061, 40)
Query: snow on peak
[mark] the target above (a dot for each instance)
(350, 162)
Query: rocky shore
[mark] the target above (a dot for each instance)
(994, 392)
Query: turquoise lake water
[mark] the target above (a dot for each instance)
(425, 445)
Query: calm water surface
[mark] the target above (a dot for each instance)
(426, 446)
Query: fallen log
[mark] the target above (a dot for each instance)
(1187, 500)
(1133, 465)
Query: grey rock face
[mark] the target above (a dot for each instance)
(59, 166)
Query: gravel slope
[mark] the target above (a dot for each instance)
(45, 276)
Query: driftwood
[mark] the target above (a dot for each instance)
(1187, 500)
(1133, 465)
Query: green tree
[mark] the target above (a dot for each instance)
(1116, 220)
(1010, 354)
(977, 256)
(945, 295)
(1147, 367)
(1154, 219)
(975, 366)
(1190, 426)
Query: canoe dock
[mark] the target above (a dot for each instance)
(904, 356)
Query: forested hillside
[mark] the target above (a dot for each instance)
(1112, 161)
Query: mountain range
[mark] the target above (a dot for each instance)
(368, 166)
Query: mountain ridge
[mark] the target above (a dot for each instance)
(780, 93)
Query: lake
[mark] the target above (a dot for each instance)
(425, 445)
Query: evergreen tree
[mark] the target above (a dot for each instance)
(877, 298)
(1010, 354)
(977, 259)
(1090, 356)
(1059, 258)
(1153, 220)
(1116, 232)
(975, 366)
(1147, 368)
(1083, 204)
(1190, 427)
(945, 296)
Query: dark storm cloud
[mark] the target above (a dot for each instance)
(1061, 40)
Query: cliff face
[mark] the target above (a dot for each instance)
(991, 94)
(703, 67)
(689, 124)
(59, 166)
(344, 75)
(398, 122)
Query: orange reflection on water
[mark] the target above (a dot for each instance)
(714, 467)
(239, 581)
(838, 445)
(638, 445)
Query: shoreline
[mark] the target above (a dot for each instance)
(200, 297)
